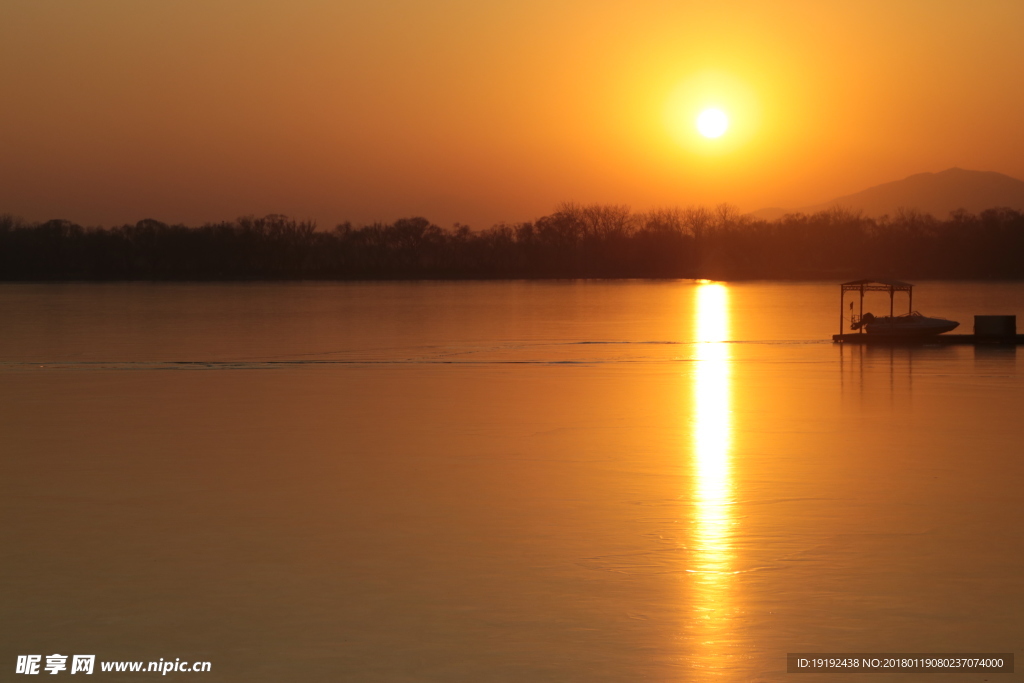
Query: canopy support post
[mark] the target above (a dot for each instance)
(861, 330)
(842, 296)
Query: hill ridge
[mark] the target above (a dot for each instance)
(937, 193)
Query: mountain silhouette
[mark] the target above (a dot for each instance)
(934, 193)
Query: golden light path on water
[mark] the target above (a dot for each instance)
(711, 563)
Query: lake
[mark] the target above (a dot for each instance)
(502, 481)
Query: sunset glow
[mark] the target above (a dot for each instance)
(498, 341)
(339, 111)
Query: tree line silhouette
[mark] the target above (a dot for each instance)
(576, 241)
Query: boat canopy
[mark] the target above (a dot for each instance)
(891, 286)
(877, 286)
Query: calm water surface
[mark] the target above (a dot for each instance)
(559, 481)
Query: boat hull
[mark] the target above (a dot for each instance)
(909, 326)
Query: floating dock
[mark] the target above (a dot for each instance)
(989, 330)
(935, 340)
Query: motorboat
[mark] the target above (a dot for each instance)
(908, 325)
(911, 324)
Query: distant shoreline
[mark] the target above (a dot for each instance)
(574, 242)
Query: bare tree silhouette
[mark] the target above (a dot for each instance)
(576, 241)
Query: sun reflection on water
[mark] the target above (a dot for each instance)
(712, 557)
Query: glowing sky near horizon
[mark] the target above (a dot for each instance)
(190, 111)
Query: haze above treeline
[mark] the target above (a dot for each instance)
(574, 241)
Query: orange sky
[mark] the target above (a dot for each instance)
(480, 112)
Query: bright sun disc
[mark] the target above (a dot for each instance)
(712, 123)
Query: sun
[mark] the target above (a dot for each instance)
(712, 116)
(712, 123)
